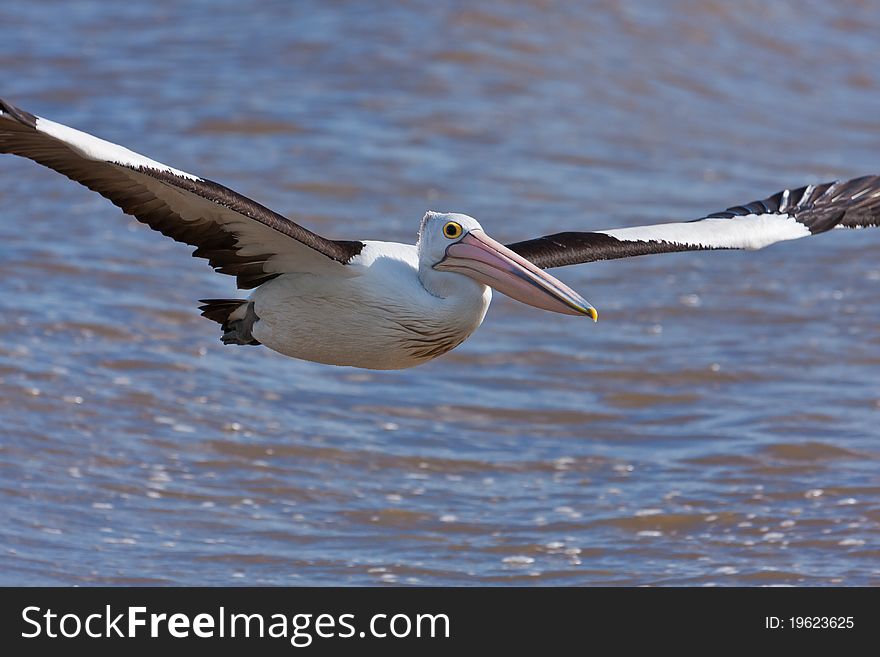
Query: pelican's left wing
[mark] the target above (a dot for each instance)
(237, 235)
(787, 215)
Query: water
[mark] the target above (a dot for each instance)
(717, 426)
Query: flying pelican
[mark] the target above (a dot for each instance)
(383, 305)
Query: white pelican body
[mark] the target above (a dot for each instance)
(383, 305)
(377, 316)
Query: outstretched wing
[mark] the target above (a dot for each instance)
(787, 215)
(237, 235)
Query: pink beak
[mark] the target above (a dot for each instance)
(480, 257)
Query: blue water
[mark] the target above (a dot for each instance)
(717, 426)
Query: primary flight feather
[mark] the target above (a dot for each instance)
(384, 305)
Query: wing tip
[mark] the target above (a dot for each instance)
(23, 117)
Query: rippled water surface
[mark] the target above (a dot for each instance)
(719, 425)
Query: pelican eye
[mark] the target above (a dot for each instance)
(452, 230)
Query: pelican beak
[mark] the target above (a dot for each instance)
(480, 257)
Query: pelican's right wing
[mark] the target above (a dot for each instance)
(237, 235)
(787, 215)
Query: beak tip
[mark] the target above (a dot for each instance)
(593, 313)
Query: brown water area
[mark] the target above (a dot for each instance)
(718, 426)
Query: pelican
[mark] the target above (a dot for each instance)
(384, 305)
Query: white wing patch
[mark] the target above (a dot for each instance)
(93, 148)
(750, 231)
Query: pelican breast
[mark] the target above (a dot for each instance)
(375, 315)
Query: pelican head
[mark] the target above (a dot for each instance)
(456, 244)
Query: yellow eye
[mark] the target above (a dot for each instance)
(452, 230)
